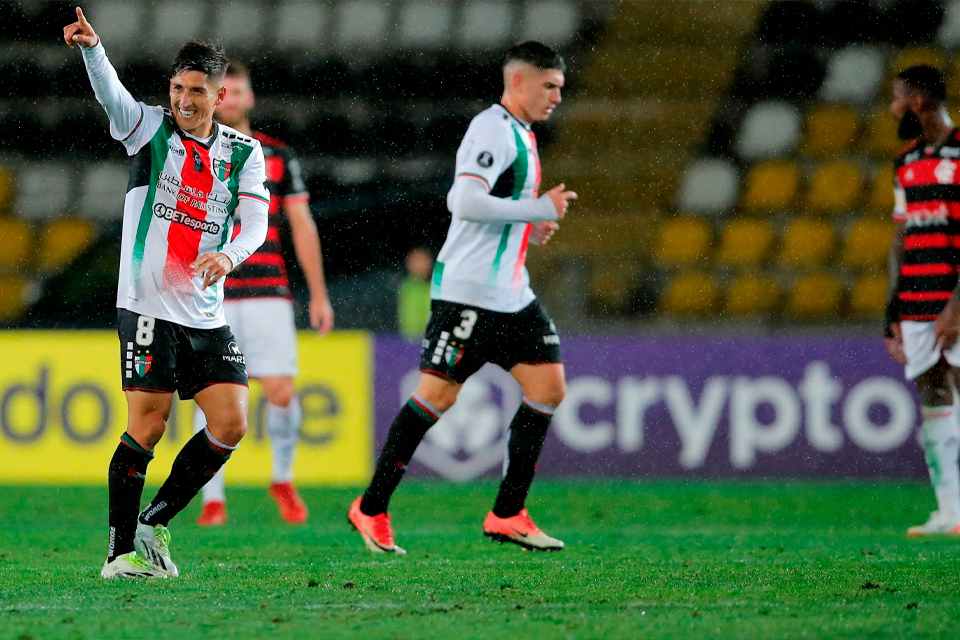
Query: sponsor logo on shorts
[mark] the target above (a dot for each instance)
(236, 355)
(165, 212)
(552, 339)
(441, 346)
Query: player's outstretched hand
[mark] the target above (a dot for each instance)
(211, 267)
(543, 231)
(895, 344)
(321, 314)
(946, 329)
(561, 199)
(80, 32)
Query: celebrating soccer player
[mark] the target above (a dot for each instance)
(259, 308)
(923, 297)
(189, 179)
(483, 309)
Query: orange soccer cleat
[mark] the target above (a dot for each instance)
(214, 514)
(291, 506)
(519, 529)
(375, 530)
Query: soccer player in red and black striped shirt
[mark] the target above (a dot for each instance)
(923, 298)
(259, 307)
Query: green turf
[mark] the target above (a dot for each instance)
(651, 560)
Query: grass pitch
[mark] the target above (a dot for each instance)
(650, 560)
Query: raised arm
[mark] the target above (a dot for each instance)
(125, 113)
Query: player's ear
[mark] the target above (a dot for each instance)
(220, 95)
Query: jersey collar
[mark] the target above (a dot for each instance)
(523, 124)
(206, 143)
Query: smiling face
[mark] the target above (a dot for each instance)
(193, 99)
(537, 91)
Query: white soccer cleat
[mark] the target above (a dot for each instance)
(153, 543)
(939, 524)
(129, 565)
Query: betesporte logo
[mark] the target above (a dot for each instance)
(165, 212)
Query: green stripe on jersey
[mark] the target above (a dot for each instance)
(437, 279)
(159, 149)
(520, 169)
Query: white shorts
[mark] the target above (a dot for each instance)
(266, 334)
(921, 351)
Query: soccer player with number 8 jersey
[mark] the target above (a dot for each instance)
(483, 308)
(190, 178)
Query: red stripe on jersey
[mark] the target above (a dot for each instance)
(475, 177)
(934, 269)
(274, 259)
(273, 234)
(260, 282)
(927, 241)
(927, 317)
(924, 296)
(522, 257)
(924, 171)
(536, 162)
(183, 243)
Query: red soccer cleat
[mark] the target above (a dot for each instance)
(214, 514)
(291, 506)
(375, 530)
(519, 529)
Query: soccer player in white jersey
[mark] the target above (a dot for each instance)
(259, 308)
(483, 309)
(189, 179)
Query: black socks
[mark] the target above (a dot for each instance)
(411, 424)
(125, 478)
(197, 462)
(527, 433)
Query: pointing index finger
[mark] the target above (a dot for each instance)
(81, 18)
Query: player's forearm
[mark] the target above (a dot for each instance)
(306, 245)
(469, 200)
(894, 265)
(252, 215)
(122, 109)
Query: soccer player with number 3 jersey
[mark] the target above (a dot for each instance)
(190, 178)
(923, 297)
(483, 309)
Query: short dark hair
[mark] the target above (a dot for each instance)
(538, 54)
(202, 56)
(926, 80)
(238, 70)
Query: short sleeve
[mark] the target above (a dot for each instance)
(486, 151)
(253, 176)
(899, 200)
(143, 131)
(293, 188)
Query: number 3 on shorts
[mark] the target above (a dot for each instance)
(145, 326)
(468, 319)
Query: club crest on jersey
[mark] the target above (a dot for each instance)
(453, 354)
(142, 363)
(945, 171)
(222, 169)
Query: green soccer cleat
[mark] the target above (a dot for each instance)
(153, 543)
(129, 565)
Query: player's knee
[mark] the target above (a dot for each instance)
(550, 394)
(229, 428)
(280, 395)
(441, 398)
(148, 430)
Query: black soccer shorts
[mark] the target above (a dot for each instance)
(157, 355)
(462, 338)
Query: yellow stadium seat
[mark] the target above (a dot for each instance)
(868, 244)
(869, 296)
(830, 129)
(693, 293)
(815, 295)
(6, 189)
(63, 240)
(836, 186)
(12, 299)
(881, 138)
(807, 241)
(745, 242)
(750, 294)
(771, 186)
(913, 56)
(880, 198)
(17, 242)
(611, 284)
(682, 241)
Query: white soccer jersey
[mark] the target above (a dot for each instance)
(483, 263)
(180, 203)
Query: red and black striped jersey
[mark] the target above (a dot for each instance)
(264, 274)
(927, 188)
